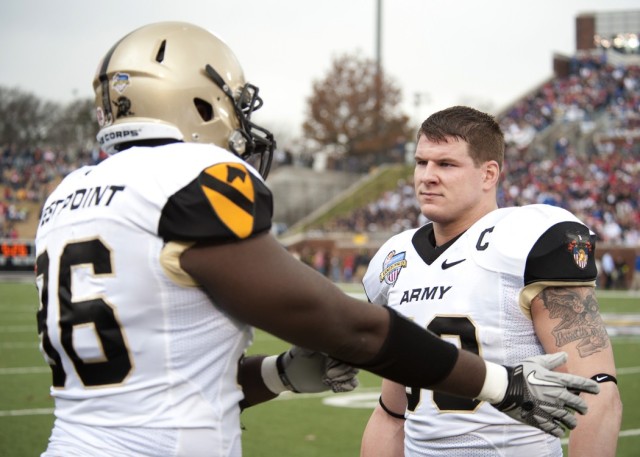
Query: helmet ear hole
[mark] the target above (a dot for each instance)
(204, 109)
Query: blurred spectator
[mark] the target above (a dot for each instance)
(635, 282)
(348, 264)
(27, 176)
(620, 273)
(608, 269)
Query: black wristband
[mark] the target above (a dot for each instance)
(604, 377)
(388, 411)
(412, 355)
(282, 374)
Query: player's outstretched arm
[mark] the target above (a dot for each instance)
(258, 282)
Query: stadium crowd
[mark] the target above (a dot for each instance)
(27, 175)
(600, 185)
(593, 90)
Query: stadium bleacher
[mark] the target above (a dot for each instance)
(573, 141)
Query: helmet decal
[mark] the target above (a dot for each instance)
(124, 107)
(100, 116)
(120, 82)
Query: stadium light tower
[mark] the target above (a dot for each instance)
(379, 35)
(378, 80)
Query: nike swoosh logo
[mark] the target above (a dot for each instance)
(446, 265)
(531, 379)
(600, 378)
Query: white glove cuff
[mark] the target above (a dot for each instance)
(495, 385)
(270, 376)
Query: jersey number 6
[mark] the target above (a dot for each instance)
(115, 364)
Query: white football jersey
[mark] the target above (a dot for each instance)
(467, 291)
(139, 359)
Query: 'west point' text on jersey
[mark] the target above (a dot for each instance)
(81, 198)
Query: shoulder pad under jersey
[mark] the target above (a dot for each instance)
(527, 241)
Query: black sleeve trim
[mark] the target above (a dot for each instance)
(189, 215)
(565, 252)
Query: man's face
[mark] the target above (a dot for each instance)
(447, 183)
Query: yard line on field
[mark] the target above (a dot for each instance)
(628, 370)
(631, 432)
(27, 412)
(634, 432)
(358, 295)
(17, 328)
(618, 293)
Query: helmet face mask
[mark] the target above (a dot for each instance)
(163, 81)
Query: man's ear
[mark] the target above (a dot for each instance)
(491, 172)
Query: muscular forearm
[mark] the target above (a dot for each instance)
(596, 434)
(383, 436)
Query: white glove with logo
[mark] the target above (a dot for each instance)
(303, 371)
(542, 398)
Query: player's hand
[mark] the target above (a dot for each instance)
(543, 398)
(303, 371)
(339, 376)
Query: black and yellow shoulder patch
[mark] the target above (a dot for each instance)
(225, 202)
(230, 191)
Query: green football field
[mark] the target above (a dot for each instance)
(293, 425)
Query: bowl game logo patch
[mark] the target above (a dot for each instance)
(392, 266)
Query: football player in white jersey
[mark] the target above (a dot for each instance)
(505, 283)
(153, 266)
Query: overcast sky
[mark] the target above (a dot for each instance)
(485, 52)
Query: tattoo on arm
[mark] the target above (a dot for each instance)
(580, 319)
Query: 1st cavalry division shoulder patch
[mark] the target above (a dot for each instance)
(229, 189)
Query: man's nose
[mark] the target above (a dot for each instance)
(428, 173)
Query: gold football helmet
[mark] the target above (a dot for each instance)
(177, 81)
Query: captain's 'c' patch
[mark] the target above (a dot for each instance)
(229, 189)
